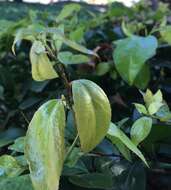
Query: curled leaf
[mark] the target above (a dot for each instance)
(42, 68)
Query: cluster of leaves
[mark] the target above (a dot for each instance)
(122, 50)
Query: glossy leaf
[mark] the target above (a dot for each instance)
(67, 58)
(42, 68)
(115, 132)
(127, 62)
(92, 113)
(140, 129)
(44, 148)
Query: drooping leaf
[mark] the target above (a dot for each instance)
(78, 47)
(9, 167)
(28, 33)
(44, 148)
(67, 58)
(72, 44)
(141, 129)
(115, 132)
(92, 113)
(122, 148)
(42, 68)
(127, 62)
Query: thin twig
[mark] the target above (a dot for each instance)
(71, 147)
(25, 118)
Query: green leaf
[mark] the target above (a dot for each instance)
(67, 11)
(126, 30)
(154, 107)
(102, 68)
(57, 42)
(92, 113)
(143, 77)
(93, 180)
(122, 148)
(44, 148)
(78, 47)
(72, 159)
(9, 167)
(115, 132)
(67, 58)
(78, 34)
(42, 68)
(148, 97)
(30, 33)
(141, 108)
(166, 34)
(140, 129)
(127, 62)
(18, 145)
(164, 113)
(153, 102)
(16, 183)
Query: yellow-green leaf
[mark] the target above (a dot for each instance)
(44, 147)
(92, 113)
(141, 129)
(9, 167)
(42, 68)
(114, 132)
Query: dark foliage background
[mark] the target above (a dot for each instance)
(20, 96)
